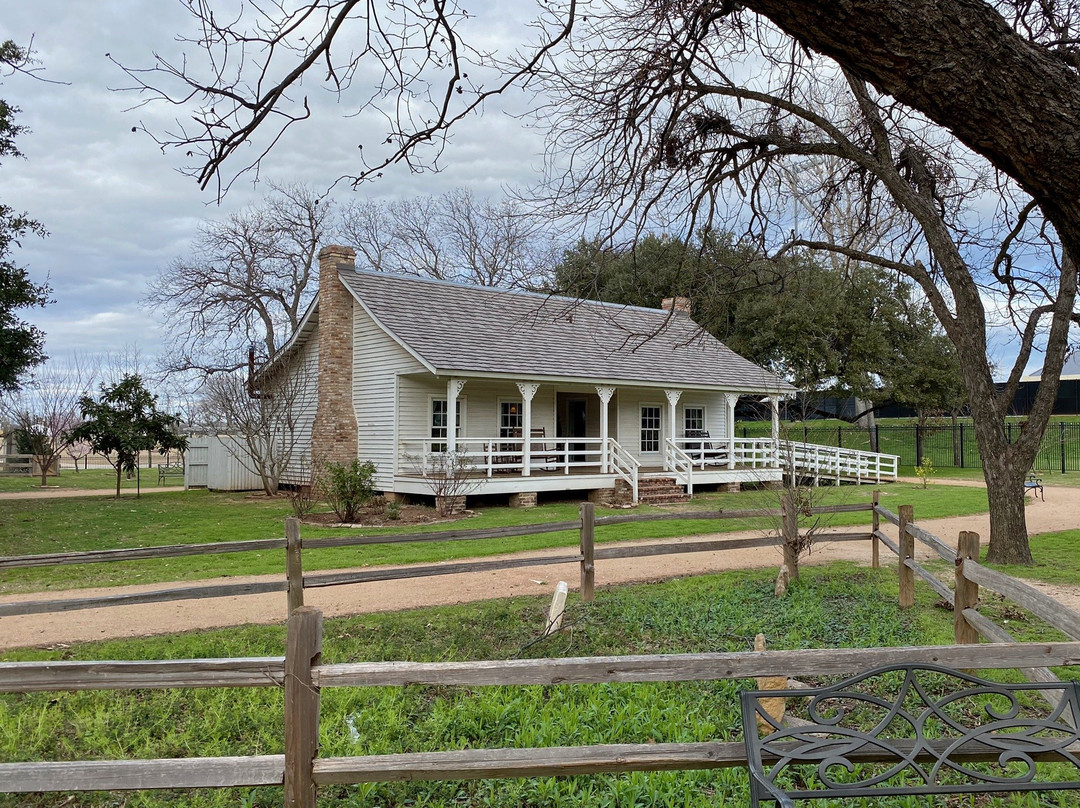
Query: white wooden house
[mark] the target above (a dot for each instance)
(539, 393)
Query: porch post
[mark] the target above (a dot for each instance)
(732, 399)
(527, 390)
(605, 394)
(453, 390)
(673, 397)
(774, 406)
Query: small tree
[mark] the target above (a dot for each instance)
(125, 421)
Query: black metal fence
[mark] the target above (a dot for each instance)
(946, 445)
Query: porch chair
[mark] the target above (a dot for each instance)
(548, 452)
(704, 451)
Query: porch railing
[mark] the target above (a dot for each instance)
(680, 464)
(705, 453)
(837, 465)
(490, 456)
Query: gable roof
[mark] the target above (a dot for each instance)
(453, 327)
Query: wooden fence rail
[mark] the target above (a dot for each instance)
(296, 581)
(303, 677)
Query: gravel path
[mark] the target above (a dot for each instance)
(1058, 512)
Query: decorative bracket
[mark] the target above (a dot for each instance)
(605, 393)
(527, 390)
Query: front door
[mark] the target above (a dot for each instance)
(578, 416)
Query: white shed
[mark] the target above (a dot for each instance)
(220, 463)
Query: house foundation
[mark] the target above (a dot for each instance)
(523, 499)
(733, 488)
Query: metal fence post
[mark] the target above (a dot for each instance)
(1062, 426)
(918, 444)
(961, 445)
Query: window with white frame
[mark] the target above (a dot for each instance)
(693, 420)
(510, 419)
(650, 428)
(439, 413)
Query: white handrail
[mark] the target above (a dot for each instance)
(624, 464)
(680, 464)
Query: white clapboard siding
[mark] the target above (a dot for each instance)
(298, 471)
(378, 360)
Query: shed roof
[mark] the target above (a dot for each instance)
(454, 327)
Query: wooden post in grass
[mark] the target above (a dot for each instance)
(875, 526)
(303, 650)
(789, 533)
(907, 550)
(588, 536)
(294, 566)
(966, 595)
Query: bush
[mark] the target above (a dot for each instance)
(347, 487)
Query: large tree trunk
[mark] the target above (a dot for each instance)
(1008, 520)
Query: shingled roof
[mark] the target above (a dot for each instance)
(456, 328)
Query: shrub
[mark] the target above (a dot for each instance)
(393, 510)
(347, 487)
(925, 470)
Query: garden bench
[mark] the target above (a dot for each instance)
(911, 729)
(1033, 483)
(164, 470)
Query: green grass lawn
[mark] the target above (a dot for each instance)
(836, 606)
(88, 479)
(68, 525)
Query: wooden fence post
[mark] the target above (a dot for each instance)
(966, 595)
(588, 536)
(294, 565)
(875, 545)
(789, 533)
(907, 550)
(302, 652)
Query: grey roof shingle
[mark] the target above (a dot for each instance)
(455, 327)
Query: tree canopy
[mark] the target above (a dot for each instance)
(861, 333)
(22, 345)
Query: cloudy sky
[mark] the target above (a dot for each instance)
(117, 209)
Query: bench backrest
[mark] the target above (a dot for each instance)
(910, 729)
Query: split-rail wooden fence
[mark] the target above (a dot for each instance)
(302, 676)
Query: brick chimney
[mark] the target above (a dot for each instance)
(678, 305)
(334, 435)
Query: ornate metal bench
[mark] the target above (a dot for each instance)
(914, 729)
(1033, 483)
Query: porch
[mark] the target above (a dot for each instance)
(508, 465)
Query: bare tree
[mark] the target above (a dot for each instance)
(46, 410)
(657, 129)
(726, 92)
(263, 428)
(456, 236)
(247, 280)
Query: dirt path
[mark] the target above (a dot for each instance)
(55, 493)
(1059, 512)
